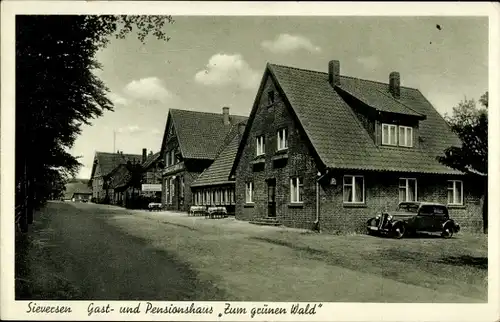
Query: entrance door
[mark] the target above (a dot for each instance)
(271, 198)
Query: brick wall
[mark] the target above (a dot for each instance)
(268, 120)
(382, 194)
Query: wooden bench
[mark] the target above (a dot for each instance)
(197, 210)
(152, 206)
(216, 212)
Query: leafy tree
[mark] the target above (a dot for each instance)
(57, 92)
(470, 123)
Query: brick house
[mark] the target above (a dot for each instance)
(124, 183)
(77, 190)
(104, 163)
(191, 142)
(214, 186)
(321, 150)
(152, 169)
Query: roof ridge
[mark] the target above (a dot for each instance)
(201, 112)
(345, 76)
(406, 106)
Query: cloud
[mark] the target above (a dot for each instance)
(117, 99)
(224, 69)
(369, 62)
(286, 43)
(147, 89)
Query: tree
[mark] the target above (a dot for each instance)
(57, 92)
(470, 123)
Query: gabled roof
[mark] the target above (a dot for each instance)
(150, 160)
(376, 97)
(338, 137)
(109, 161)
(218, 172)
(200, 134)
(76, 186)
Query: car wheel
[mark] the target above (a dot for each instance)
(399, 231)
(447, 232)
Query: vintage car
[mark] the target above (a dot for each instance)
(412, 217)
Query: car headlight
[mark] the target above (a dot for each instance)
(377, 216)
(389, 217)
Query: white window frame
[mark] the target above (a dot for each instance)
(406, 189)
(461, 202)
(172, 191)
(352, 184)
(249, 190)
(282, 139)
(261, 145)
(389, 137)
(295, 184)
(172, 156)
(408, 138)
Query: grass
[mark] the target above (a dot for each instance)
(274, 264)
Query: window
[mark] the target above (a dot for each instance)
(407, 189)
(172, 188)
(261, 148)
(232, 196)
(181, 192)
(249, 192)
(226, 196)
(296, 190)
(270, 97)
(405, 136)
(455, 192)
(354, 189)
(172, 157)
(283, 139)
(389, 134)
(167, 159)
(167, 190)
(182, 187)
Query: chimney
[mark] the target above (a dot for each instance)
(144, 155)
(334, 72)
(394, 84)
(241, 127)
(225, 113)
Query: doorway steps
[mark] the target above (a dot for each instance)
(266, 221)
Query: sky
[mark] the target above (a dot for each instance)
(211, 62)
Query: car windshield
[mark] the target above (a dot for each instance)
(408, 207)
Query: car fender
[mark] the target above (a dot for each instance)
(452, 223)
(398, 221)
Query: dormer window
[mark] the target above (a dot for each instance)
(397, 135)
(405, 136)
(389, 134)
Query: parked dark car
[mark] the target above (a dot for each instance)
(412, 217)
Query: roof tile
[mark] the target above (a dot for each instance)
(338, 136)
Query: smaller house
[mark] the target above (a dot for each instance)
(125, 184)
(78, 190)
(152, 168)
(191, 142)
(104, 164)
(214, 188)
